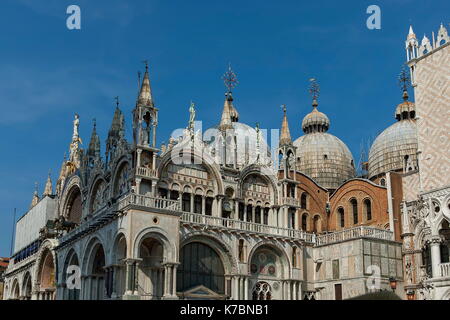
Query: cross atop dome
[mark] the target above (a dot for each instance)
(230, 79)
(314, 90)
(404, 82)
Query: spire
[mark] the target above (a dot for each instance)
(94, 144)
(225, 121)
(404, 81)
(411, 34)
(230, 81)
(285, 136)
(35, 199)
(145, 95)
(48, 191)
(405, 110)
(315, 121)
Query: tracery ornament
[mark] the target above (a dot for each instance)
(99, 196)
(123, 183)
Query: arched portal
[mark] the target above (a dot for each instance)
(15, 290)
(47, 286)
(119, 282)
(95, 279)
(27, 286)
(151, 273)
(200, 265)
(70, 274)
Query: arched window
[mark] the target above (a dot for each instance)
(262, 291)
(249, 212)
(354, 205)
(383, 182)
(341, 217)
(368, 209)
(200, 265)
(303, 200)
(197, 204)
(208, 206)
(316, 224)
(304, 222)
(258, 214)
(266, 216)
(186, 202)
(241, 211)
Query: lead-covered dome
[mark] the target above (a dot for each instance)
(396, 146)
(320, 155)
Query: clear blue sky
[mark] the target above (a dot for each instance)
(48, 73)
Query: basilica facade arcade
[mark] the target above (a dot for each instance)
(220, 216)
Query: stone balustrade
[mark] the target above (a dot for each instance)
(354, 233)
(291, 201)
(146, 172)
(445, 269)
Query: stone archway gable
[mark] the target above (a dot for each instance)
(279, 249)
(210, 166)
(302, 175)
(49, 245)
(71, 182)
(217, 244)
(123, 160)
(310, 186)
(170, 250)
(254, 169)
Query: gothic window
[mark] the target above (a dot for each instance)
(354, 205)
(241, 211)
(341, 216)
(200, 265)
(368, 209)
(292, 218)
(383, 182)
(262, 291)
(174, 194)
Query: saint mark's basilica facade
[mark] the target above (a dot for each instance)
(212, 217)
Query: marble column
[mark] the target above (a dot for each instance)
(435, 257)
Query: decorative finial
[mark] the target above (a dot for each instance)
(230, 79)
(146, 65)
(117, 101)
(314, 90)
(404, 82)
(191, 117)
(283, 106)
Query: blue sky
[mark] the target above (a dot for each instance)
(48, 73)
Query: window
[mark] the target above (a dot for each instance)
(338, 291)
(368, 209)
(341, 217)
(304, 222)
(316, 224)
(200, 265)
(208, 206)
(303, 200)
(197, 204)
(354, 205)
(258, 214)
(383, 182)
(241, 211)
(186, 202)
(249, 213)
(266, 216)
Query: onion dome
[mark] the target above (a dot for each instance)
(320, 155)
(396, 145)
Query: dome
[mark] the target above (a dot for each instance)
(390, 148)
(315, 121)
(324, 158)
(396, 145)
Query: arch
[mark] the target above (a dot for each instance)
(264, 268)
(341, 217)
(45, 273)
(121, 181)
(71, 292)
(317, 224)
(303, 200)
(265, 174)
(15, 290)
(94, 274)
(262, 291)
(367, 207)
(200, 264)
(72, 191)
(204, 159)
(304, 221)
(98, 194)
(27, 286)
(159, 234)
